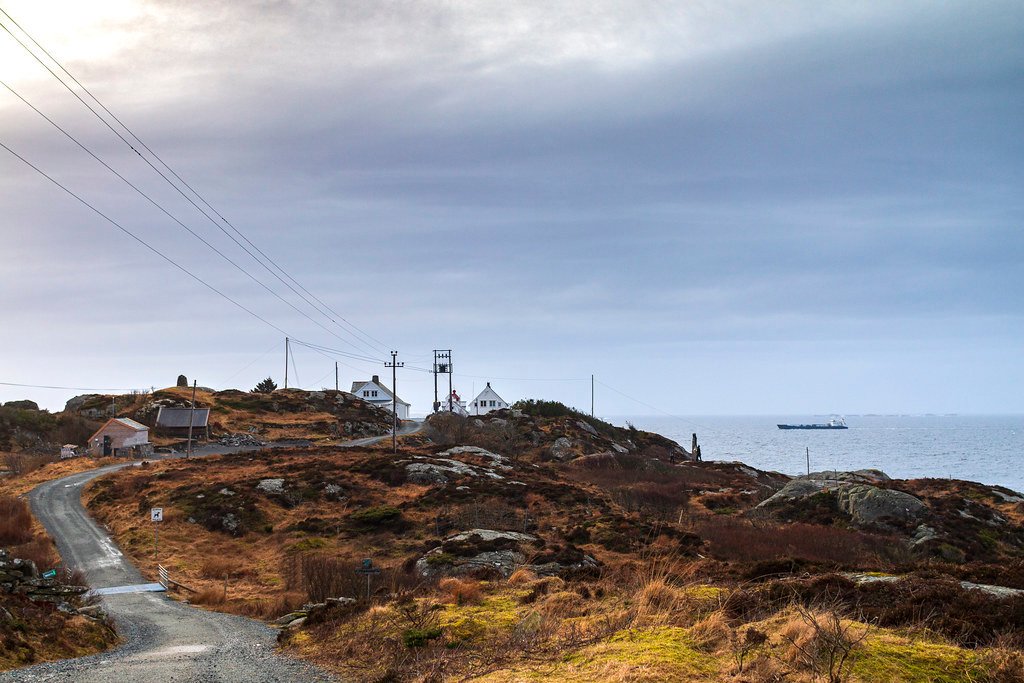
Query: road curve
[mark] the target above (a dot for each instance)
(163, 640)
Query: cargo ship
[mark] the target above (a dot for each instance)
(834, 423)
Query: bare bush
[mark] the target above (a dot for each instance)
(822, 641)
(742, 540)
(39, 550)
(15, 521)
(20, 464)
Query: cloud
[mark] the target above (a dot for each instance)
(539, 184)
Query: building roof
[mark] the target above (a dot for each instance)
(179, 417)
(358, 386)
(128, 422)
(488, 391)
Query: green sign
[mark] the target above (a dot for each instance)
(50, 574)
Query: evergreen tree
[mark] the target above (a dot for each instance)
(265, 387)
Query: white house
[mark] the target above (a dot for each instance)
(487, 401)
(454, 404)
(379, 395)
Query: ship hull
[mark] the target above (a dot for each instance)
(813, 427)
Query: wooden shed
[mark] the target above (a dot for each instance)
(175, 422)
(121, 437)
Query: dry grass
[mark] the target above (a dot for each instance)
(460, 591)
(218, 567)
(521, 577)
(211, 596)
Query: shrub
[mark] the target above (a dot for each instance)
(741, 540)
(542, 408)
(418, 637)
(22, 463)
(39, 550)
(15, 521)
(377, 515)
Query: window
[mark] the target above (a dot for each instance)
(366, 393)
(375, 394)
(492, 403)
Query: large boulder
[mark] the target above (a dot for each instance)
(846, 494)
(872, 505)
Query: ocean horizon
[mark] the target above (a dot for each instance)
(982, 448)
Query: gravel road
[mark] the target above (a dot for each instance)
(163, 640)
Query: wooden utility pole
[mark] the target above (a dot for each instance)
(591, 395)
(807, 452)
(191, 414)
(336, 376)
(394, 365)
(286, 362)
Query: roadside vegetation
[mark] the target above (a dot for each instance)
(631, 567)
(36, 629)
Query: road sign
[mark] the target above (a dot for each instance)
(368, 570)
(157, 514)
(50, 574)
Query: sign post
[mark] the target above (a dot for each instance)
(368, 570)
(156, 515)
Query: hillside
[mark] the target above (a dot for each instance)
(320, 416)
(518, 563)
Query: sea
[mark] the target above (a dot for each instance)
(983, 448)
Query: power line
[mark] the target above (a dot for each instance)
(175, 174)
(47, 386)
(138, 239)
(251, 363)
(168, 213)
(655, 408)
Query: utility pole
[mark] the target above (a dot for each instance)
(591, 395)
(191, 414)
(394, 365)
(442, 366)
(807, 452)
(286, 362)
(336, 375)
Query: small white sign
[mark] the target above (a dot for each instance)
(157, 514)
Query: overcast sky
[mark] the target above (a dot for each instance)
(716, 208)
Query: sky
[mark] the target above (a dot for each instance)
(798, 207)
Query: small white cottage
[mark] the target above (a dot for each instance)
(379, 395)
(487, 401)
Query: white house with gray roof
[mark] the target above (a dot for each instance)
(487, 401)
(379, 395)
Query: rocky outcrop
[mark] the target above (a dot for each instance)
(443, 468)
(502, 552)
(872, 505)
(863, 503)
(21, 577)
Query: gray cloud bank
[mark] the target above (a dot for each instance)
(730, 208)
